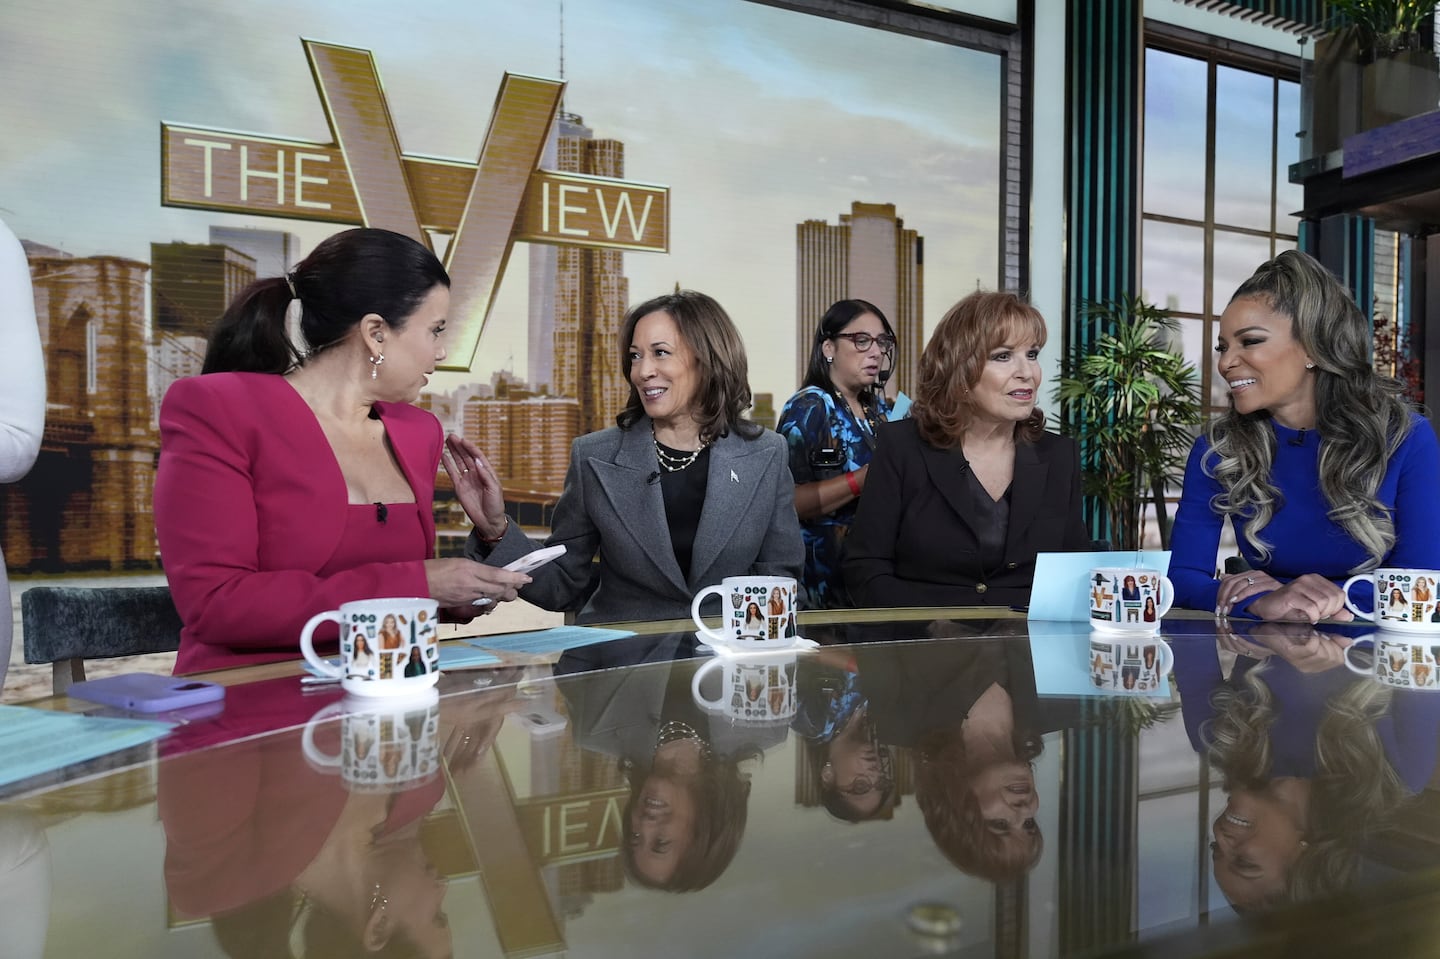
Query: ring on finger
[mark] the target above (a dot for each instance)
(1250, 580)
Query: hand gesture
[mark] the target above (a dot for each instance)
(477, 487)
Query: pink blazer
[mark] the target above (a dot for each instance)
(250, 504)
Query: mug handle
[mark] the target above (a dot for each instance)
(307, 644)
(1359, 613)
(1167, 657)
(1349, 665)
(1167, 599)
(700, 699)
(695, 611)
(317, 756)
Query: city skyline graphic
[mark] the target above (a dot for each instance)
(770, 134)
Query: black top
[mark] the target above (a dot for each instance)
(684, 492)
(991, 522)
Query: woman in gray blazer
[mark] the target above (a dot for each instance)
(681, 493)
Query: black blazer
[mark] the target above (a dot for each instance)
(913, 544)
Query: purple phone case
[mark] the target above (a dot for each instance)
(148, 692)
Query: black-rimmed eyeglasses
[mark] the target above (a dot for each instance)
(862, 341)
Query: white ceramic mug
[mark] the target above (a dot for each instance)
(1404, 599)
(754, 609)
(1128, 664)
(388, 647)
(383, 746)
(759, 690)
(1128, 599)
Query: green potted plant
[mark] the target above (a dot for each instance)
(1133, 403)
(1389, 41)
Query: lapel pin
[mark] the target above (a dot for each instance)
(733, 477)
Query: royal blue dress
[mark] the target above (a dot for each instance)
(1301, 535)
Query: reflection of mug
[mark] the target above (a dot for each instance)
(388, 647)
(760, 690)
(1404, 599)
(1128, 665)
(1402, 663)
(759, 608)
(382, 747)
(1130, 599)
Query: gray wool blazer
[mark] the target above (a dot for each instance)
(612, 508)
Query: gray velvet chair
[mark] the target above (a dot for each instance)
(65, 625)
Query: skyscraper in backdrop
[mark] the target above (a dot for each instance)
(868, 255)
(578, 296)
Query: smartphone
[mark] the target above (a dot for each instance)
(528, 562)
(148, 692)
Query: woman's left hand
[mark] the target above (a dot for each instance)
(477, 487)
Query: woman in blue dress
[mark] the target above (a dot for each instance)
(1319, 464)
(830, 426)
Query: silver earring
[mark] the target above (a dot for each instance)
(829, 360)
(378, 901)
(375, 362)
(1309, 366)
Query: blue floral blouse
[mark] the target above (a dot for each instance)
(812, 420)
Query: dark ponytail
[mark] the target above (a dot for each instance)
(346, 277)
(250, 335)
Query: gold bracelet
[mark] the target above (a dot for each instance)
(497, 539)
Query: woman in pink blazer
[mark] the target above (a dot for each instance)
(292, 482)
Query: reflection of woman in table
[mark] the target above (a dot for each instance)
(260, 842)
(689, 799)
(970, 712)
(854, 770)
(1313, 757)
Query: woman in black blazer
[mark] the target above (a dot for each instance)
(962, 496)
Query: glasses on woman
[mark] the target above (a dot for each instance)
(862, 341)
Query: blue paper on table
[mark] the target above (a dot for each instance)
(1061, 592)
(556, 640)
(36, 741)
(451, 657)
(1061, 654)
(458, 657)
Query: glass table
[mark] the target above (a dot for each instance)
(924, 782)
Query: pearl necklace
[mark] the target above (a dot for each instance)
(671, 463)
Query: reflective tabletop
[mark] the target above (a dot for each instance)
(922, 782)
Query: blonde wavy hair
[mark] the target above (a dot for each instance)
(1355, 790)
(1359, 414)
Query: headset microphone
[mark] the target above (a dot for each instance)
(887, 368)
